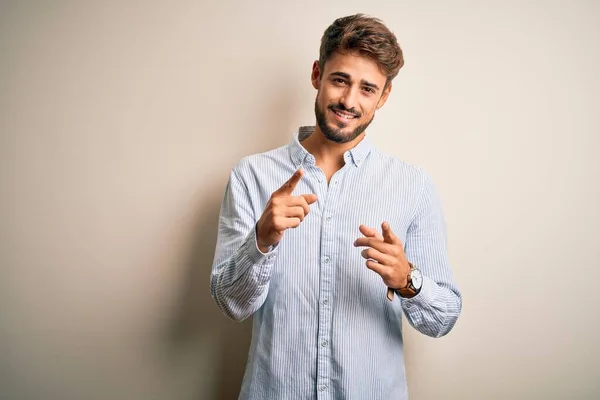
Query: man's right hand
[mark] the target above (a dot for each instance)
(283, 211)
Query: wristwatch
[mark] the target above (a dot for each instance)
(415, 281)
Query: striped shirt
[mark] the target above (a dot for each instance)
(323, 327)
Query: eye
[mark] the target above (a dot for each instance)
(339, 81)
(369, 89)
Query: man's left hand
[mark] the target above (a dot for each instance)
(385, 255)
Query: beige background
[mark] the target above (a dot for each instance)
(119, 123)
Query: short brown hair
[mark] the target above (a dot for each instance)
(366, 35)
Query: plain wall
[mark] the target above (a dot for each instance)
(120, 122)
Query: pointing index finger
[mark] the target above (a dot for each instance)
(288, 187)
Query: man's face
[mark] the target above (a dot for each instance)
(350, 89)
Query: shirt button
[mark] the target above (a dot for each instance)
(324, 343)
(322, 388)
(326, 260)
(325, 301)
(329, 218)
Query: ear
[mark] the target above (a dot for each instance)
(384, 96)
(315, 76)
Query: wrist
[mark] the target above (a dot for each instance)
(263, 249)
(261, 245)
(413, 285)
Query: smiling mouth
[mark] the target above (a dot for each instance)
(344, 115)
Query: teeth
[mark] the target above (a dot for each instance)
(344, 115)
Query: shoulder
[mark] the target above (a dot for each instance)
(261, 162)
(398, 168)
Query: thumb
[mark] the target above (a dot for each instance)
(388, 235)
(310, 198)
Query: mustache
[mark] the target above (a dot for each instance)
(341, 107)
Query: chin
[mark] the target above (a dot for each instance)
(336, 129)
(337, 135)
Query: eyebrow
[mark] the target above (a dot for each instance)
(347, 76)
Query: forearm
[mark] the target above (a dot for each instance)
(435, 310)
(240, 282)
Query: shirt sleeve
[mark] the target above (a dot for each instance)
(240, 272)
(436, 308)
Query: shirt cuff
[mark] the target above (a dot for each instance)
(250, 257)
(254, 238)
(425, 296)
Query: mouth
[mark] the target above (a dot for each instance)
(343, 116)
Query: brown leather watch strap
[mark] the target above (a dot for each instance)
(407, 292)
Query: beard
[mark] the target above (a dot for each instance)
(335, 134)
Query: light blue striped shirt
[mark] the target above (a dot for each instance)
(323, 327)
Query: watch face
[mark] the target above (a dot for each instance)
(416, 278)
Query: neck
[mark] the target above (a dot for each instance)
(327, 152)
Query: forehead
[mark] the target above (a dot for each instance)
(355, 65)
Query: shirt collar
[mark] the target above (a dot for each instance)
(301, 156)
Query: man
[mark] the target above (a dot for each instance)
(304, 255)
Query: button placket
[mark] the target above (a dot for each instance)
(328, 267)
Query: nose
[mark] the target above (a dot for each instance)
(349, 98)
